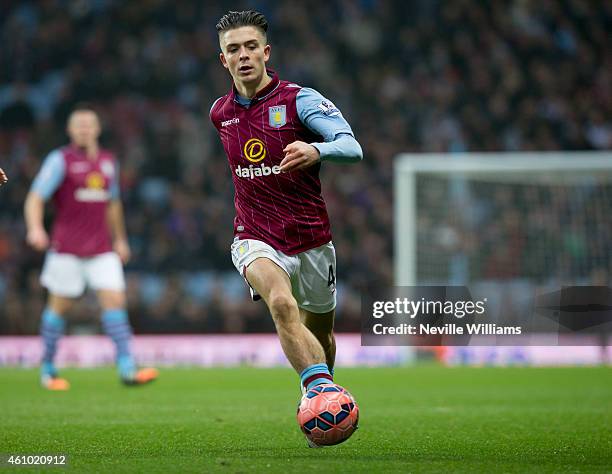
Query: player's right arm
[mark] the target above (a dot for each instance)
(45, 184)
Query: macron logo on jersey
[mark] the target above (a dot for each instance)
(230, 122)
(253, 172)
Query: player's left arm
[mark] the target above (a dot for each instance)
(323, 118)
(116, 221)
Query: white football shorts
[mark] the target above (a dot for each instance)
(312, 273)
(67, 275)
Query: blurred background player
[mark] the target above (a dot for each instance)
(3, 178)
(88, 244)
(275, 134)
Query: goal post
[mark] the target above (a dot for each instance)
(475, 216)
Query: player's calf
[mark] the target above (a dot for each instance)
(322, 327)
(117, 326)
(328, 343)
(299, 344)
(51, 329)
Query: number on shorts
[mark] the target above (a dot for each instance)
(331, 278)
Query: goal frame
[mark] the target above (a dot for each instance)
(407, 165)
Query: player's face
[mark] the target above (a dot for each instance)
(83, 128)
(244, 53)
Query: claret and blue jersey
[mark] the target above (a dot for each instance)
(81, 189)
(285, 210)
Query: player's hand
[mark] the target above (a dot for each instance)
(3, 178)
(122, 248)
(299, 155)
(38, 239)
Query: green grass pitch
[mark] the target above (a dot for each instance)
(414, 419)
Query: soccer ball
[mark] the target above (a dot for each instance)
(328, 414)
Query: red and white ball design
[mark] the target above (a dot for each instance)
(328, 414)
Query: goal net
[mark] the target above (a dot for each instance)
(515, 220)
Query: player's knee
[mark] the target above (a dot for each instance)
(282, 306)
(112, 300)
(59, 305)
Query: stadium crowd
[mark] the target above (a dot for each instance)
(420, 76)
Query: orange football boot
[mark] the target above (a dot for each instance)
(142, 377)
(54, 383)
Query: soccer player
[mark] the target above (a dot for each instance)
(88, 243)
(276, 134)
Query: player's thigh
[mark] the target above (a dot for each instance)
(268, 279)
(104, 272)
(60, 305)
(63, 275)
(245, 252)
(316, 291)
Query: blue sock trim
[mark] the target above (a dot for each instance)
(117, 326)
(314, 370)
(51, 330)
(47, 368)
(111, 316)
(126, 365)
(52, 321)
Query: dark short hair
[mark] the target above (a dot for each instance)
(83, 107)
(232, 20)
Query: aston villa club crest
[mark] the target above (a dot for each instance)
(277, 116)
